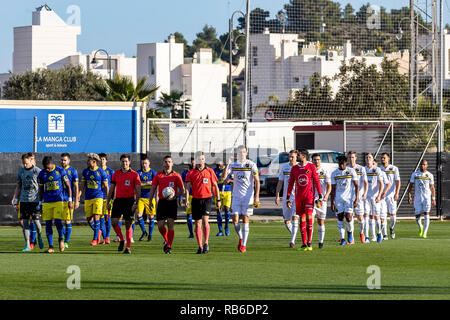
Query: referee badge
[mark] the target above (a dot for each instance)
(171, 184)
(205, 180)
(127, 183)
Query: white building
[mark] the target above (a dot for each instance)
(281, 65)
(52, 43)
(200, 80)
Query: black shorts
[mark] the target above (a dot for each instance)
(200, 207)
(166, 209)
(28, 210)
(122, 207)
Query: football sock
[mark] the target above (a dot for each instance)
(372, 228)
(419, 221)
(37, 223)
(118, 231)
(26, 231)
(96, 229)
(206, 229)
(350, 225)
(68, 232)
(189, 222)
(227, 218)
(237, 227)
(163, 232)
(366, 226)
(92, 224)
(133, 226)
(384, 226)
(141, 223)
(294, 230)
(151, 225)
(49, 232)
(426, 223)
(129, 234)
(107, 227)
(32, 231)
(378, 222)
(219, 220)
(60, 228)
(309, 228)
(199, 236)
(361, 226)
(120, 223)
(321, 233)
(303, 230)
(392, 222)
(170, 236)
(103, 227)
(341, 229)
(288, 227)
(245, 232)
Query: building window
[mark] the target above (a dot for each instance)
(255, 51)
(255, 62)
(151, 65)
(255, 90)
(296, 79)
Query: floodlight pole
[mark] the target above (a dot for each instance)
(246, 82)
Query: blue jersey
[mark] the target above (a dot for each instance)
(183, 177)
(72, 174)
(53, 182)
(220, 182)
(109, 172)
(94, 181)
(146, 176)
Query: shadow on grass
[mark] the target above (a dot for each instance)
(269, 290)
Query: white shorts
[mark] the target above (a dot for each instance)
(422, 206)
(321, 213)
(383, 209)
(242, 207)
(371, 207)
(391, 205)
(359, 210)
(343, 206)
(289, 213)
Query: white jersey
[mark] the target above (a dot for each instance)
(361, 172)
(422, 182)
(343, 179)
(374, 175)
(324, 178)
(284, 176)
(392, 175)
(243, 182)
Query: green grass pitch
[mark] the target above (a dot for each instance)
(411, 268)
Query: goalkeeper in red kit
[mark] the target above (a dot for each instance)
(306, 180)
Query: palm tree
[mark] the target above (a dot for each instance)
(56, 119)
(122, 89)
(179, 107)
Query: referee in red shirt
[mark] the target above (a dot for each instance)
(127, 187)
(202, 179)
(167, 208)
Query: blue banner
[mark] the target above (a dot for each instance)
(87, 129)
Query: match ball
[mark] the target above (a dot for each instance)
(168, 193)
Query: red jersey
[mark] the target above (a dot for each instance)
(125, 183)
(163, 180)
(306, 180)
(202, 181)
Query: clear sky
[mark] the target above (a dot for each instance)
(118, 26)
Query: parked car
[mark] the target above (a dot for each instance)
(269, 174)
